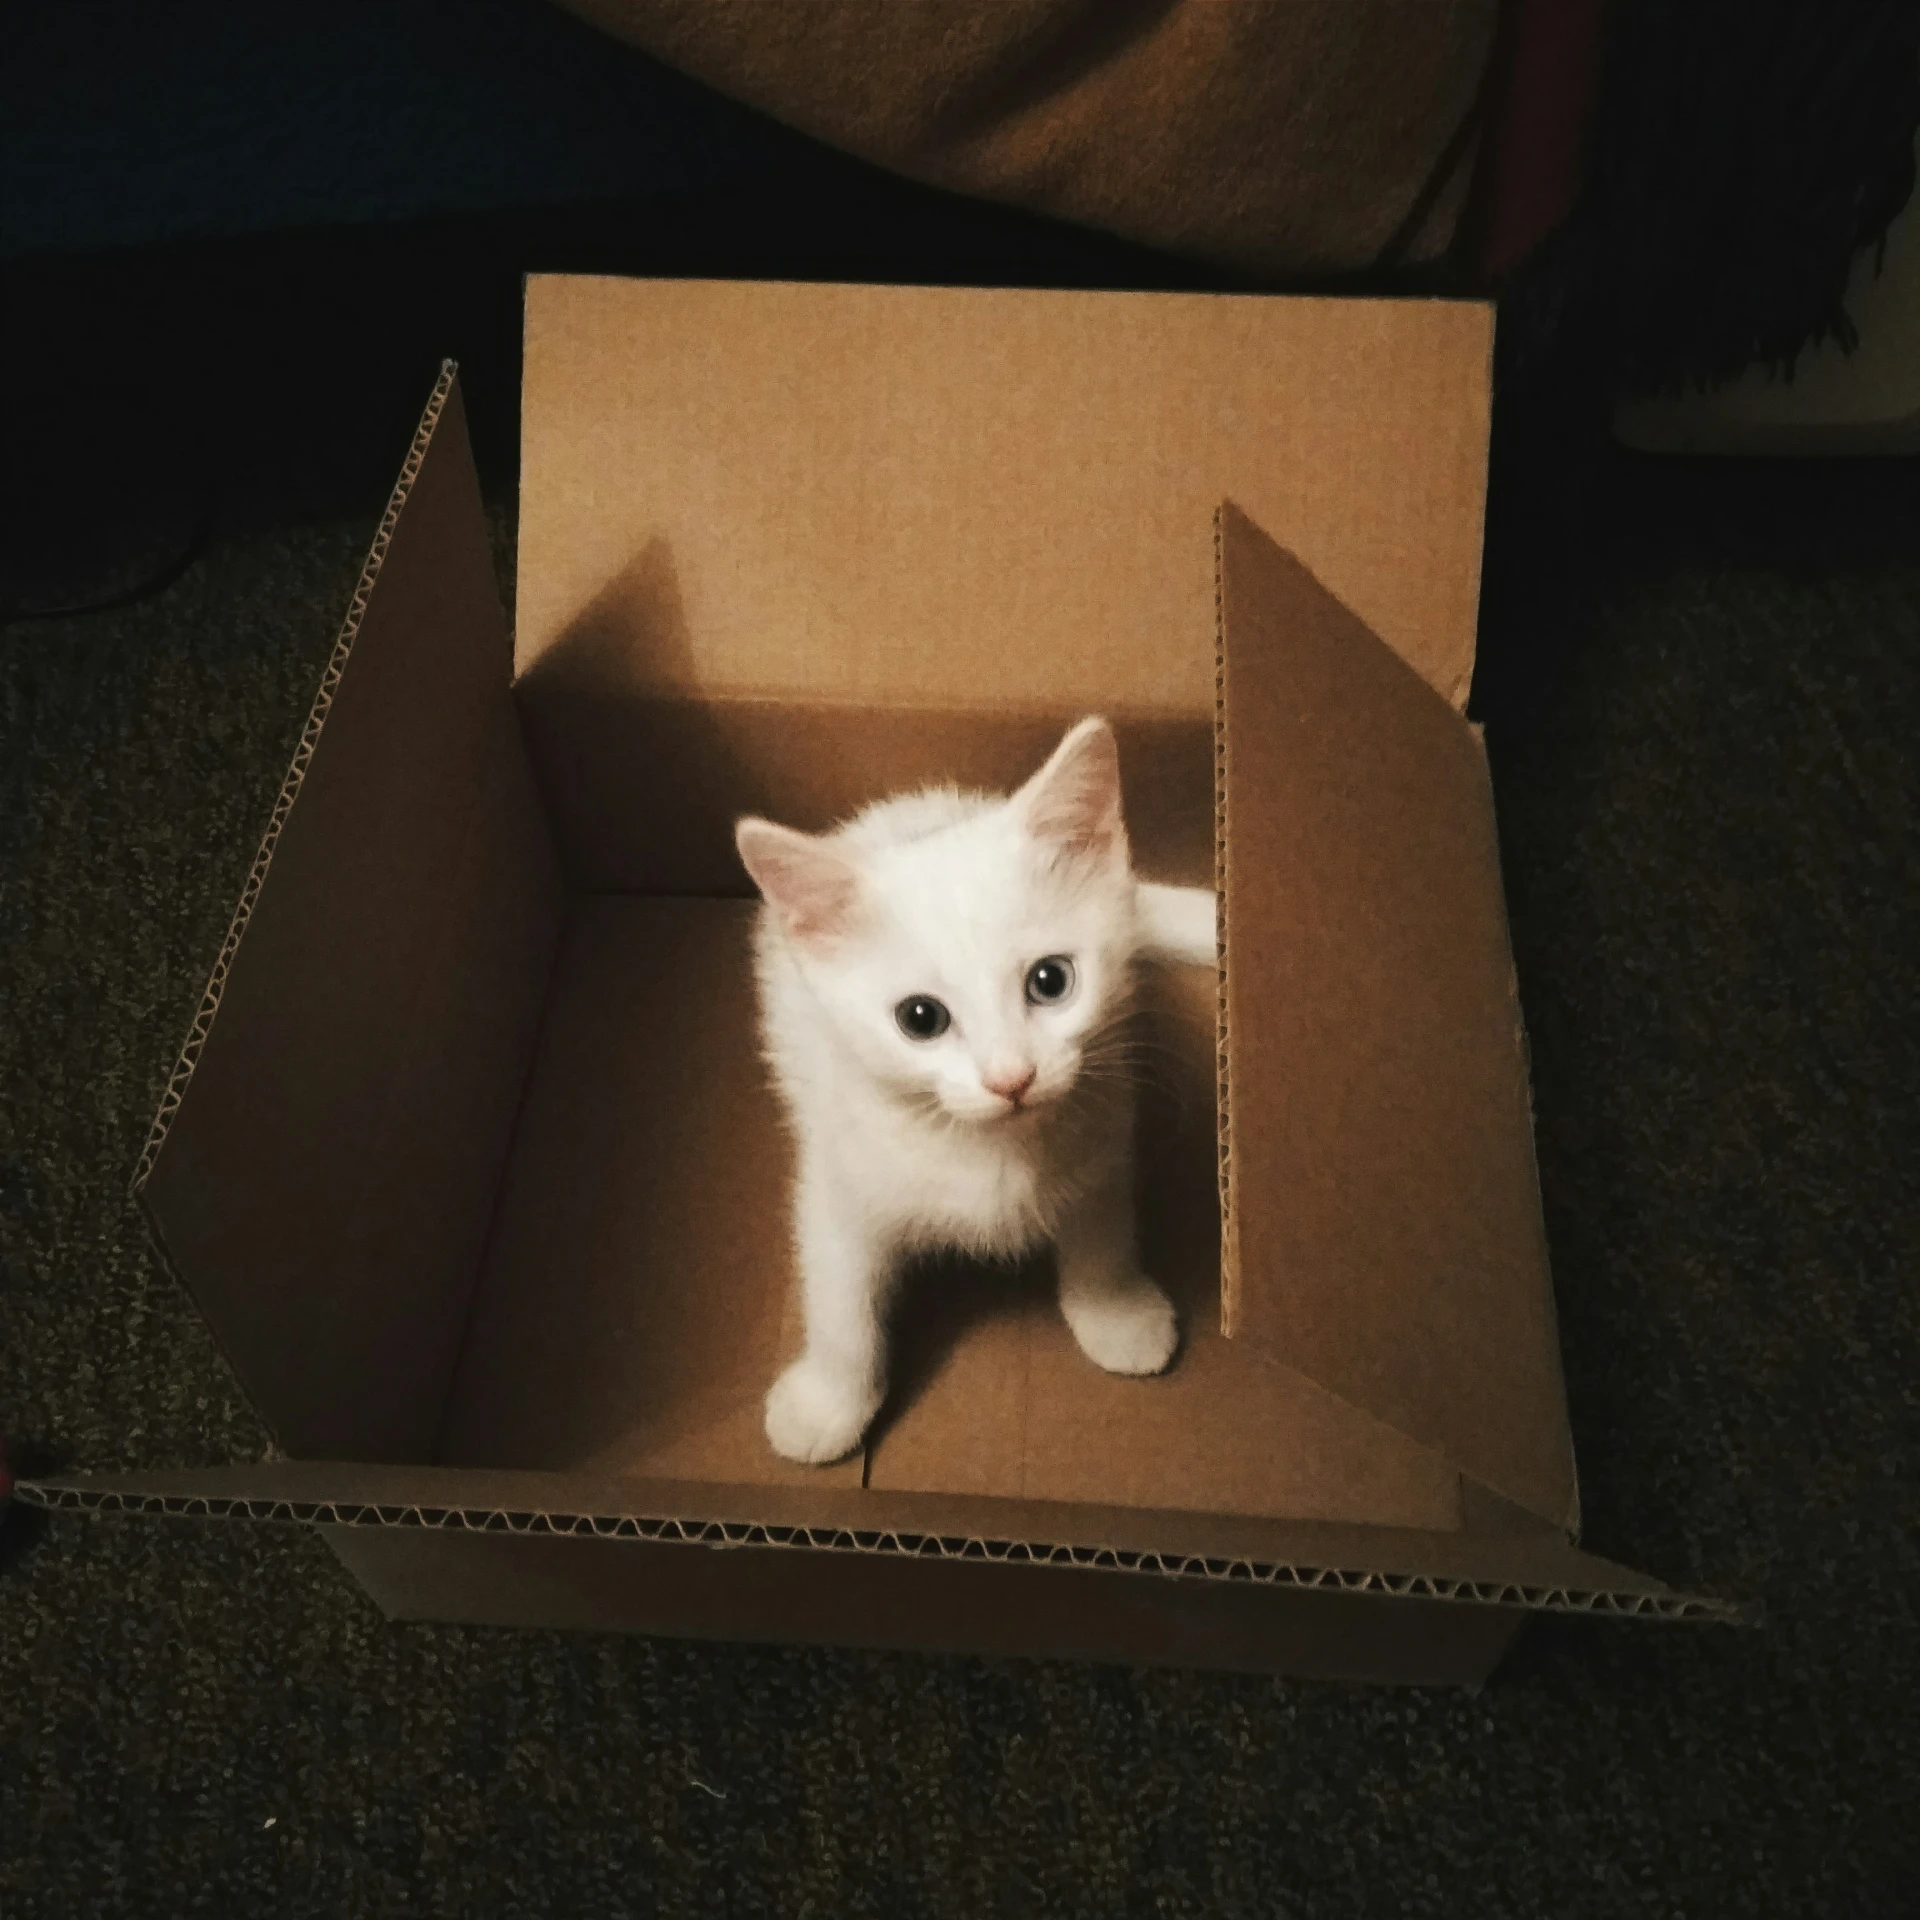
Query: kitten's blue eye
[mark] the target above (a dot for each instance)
(922, 1017)
(1049, 981)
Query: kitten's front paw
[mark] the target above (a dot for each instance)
(815, 1415)
(1129, 1328)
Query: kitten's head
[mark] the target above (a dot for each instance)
(969, 956)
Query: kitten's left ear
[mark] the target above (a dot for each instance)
(1073, 803)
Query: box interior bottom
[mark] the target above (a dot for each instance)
(636, 1299)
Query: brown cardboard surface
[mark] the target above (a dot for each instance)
(955, 498)
(1384, 1232)
(645, 791)
(945, 1606)
(326, 1181)
(1014, 1409)
(635, 1300)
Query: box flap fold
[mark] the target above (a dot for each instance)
(1382, 1221)
(322, 1170)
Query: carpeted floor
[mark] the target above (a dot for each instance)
(1702, 686)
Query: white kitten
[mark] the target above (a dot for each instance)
(943, 982)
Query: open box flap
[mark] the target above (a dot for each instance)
(1382, 1225)
(1541, 1572)
(782, 501)
(322, 1168)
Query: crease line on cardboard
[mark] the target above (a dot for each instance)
(724, 1534)
(1523, 1048)
(436, 1447)
(296, 774)
(1051, 712)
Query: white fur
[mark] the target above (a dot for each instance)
(903, 1147)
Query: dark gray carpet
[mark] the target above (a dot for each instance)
(1703, 690)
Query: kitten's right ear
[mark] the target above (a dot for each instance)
(814, 888)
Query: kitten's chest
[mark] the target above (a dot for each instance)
(986, 1194)
(976, 1195)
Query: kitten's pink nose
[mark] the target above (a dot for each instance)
(1010, 1083)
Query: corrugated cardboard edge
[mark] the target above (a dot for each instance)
(1229, 1236)
(730, 1534)
(316, 720)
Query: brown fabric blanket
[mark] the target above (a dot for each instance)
(1276, 136)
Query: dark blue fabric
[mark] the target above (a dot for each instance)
(127, 122)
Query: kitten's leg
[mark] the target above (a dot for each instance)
(1178, 923)
(822, 1405)
(1122, 1321)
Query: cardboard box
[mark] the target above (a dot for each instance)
(471, 1163)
